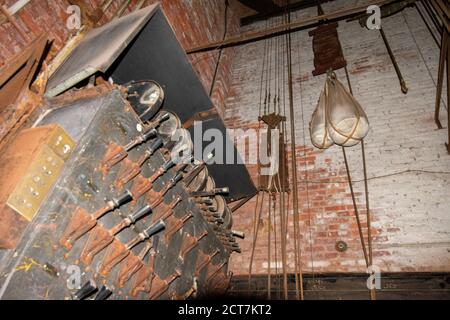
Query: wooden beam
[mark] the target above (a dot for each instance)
(286, 27)
(403, 285)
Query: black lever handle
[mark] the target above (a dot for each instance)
(123, 199)
(168, 164)
(135, 216)
(163, 118)
(149, 134)
(154, 229)
(224, 190)
(85, 291)
(103, 293)
(176, 178)
(155, 145)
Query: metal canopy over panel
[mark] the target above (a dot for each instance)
(157, 55)
(98, 50)
(144, 47)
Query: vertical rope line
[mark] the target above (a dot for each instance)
(305, 165)
(368, 258)
(262, 76)
(358, 221)
(255, 237)
(275, 247)
(268, 252)
(297, 253)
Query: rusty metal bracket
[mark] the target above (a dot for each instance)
(132, 264)
(213, 270)
(98, 240)
(82, 221)
(189, 243)
(144, 278)
(166, 210)
(159, 285)
(203, 260)
(175, 225)
(114, 154)
(115, 253)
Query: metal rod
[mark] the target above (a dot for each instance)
(139, 5)
(448, 94)
(358, 221)
(255, 238)
(16, 7)
(366, 189)
(369, 228)
(432, 15)
(427, 24)
(394, 62)
(11, 19)
(122, 8)
(241, 203)
(442, 58)
(300, 294)
(288, 27)
(106, 4)
(443, 14)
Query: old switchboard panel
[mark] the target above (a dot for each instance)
(125, 218)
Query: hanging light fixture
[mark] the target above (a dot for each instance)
(318, 125)
(347, 123)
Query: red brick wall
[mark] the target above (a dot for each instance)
(408, 165)
(194, 22)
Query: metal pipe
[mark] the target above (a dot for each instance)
(394, 62)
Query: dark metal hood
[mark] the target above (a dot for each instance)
(98, 50)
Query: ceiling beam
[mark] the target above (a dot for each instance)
(300, 5)
(260, 6)
(287, 27)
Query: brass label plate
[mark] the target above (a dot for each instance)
(41, 174)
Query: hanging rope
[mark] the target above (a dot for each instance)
(269, 272)
(368, 257)
(297, 246)
(306, 167)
